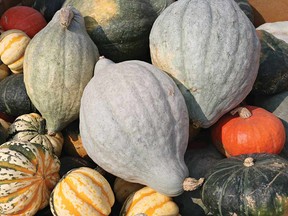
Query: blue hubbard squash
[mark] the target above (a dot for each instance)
(211, 50)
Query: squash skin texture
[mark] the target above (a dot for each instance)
(120, 28)
(211, 50)
(231, 187)
(134, 124)
(56, 88)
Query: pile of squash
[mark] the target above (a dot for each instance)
(143, 107)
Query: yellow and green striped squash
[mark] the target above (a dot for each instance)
(28, 174)
(82, 191)
(147, 201)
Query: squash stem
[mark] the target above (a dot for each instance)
(66, 15)
(243, 112)
(248, 162)
(191, 184)
(42, 126)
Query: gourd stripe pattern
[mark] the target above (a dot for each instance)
(7, 164)
(134, 202)
(9, 43)
(150, 211)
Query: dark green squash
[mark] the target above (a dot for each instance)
(14, 100)
(120, 28)
(48, 7)
(272, 75)
(247, 185)
(278, 105)
(246, 8)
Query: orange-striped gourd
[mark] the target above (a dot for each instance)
(82, 191)
(147, 201)
(28, 174)
(13, 44)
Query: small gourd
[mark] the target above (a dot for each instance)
(149, 202)
(13, 44)
(32, 127)
(253, 130)
(135, 125)
(82, 191)
(247, 185)
(28, 174)
(58, 63)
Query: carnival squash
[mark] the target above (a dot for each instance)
(82, 191)
(28, 173)
(14, 100)
(255, 130)
(58, 63)
(147, 201)
(134, 124)
(211, 50)
(32, 127)
(13, 44)
(24, 18)
(120, 28)
(247, 185)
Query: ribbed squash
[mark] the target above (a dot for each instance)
(32, 127)
(82, 191)
(211, 50)
(28, 174)
(13, 44)
(14, 100)
(147, 201)
(58, 63)
(120, 28)
(247, 185)
(134, 124)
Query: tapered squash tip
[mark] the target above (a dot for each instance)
(191, 184)
(66, 15)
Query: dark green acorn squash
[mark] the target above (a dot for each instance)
(14, 100)
(120, 28)
(272, 75)
(246, 8)
(247, 185)
(48, 7)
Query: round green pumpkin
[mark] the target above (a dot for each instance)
(14, 100)
(120, 28)
(247, 185)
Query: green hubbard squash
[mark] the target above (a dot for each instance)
(82, 191)
(247, 185)
(120, 28)
(272, 77)
(134, 124)
(211, 50)
(14, 100)
(58, 63)
(32, 127)
(28, 174)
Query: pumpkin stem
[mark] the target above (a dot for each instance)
(248, 162)
(243, 112)
(191, 184)
(42, 126)
(66, 15)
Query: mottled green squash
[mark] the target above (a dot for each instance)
(272, 77)
(58, 63)
(120, 28)
(247, 185)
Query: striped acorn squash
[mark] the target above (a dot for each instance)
(82, 191)
(32, 127)
(28, 174)
(148, 202)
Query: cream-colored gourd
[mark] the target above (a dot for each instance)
(58, 63)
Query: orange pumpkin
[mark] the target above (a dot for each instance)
(254, 130)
